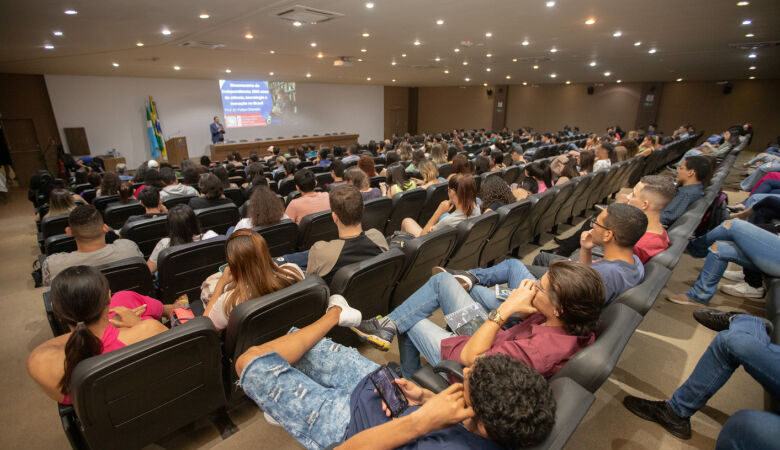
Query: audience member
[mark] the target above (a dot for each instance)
(438, 154)
(605, 154)
(264, 209)
(212, 193)
(150, 200)
(309, 202)
(354, 176)
(322, 157)
(121, 168)
(541, 174)
(151, 178)
(183, 228)
(460, 166)
(109, 185)
(587, 159)
(352, 155)
(221, 173)
(172, 187)
(126, 192)
(461, 205)
(337, 172)
(366, 164)
(693, 172)
(60, 203)
(430, 174)
(397, 180)
(495, 193)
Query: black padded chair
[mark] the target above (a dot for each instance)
(375, 181)
(542, 208)
(405, 204)
(131, 274)
(79, 188)
(146, 233)
(580, 204)
(183, 268)
(566, 212)
(422, 255)
(498, 244)
(550, 218)
(100, 203)
(89, 195)
(316, 227)
(323, 179)
(434, 195)
(170, 202)
(279, 237)
(591, 366)
(595, 189)
(266, 318)
(375, 213)
(236, 195)
(641, 297)
(511, 174)
(63, 243)
(218, 218)
(51, 226)
(114, 404)
(473, 234)
(116, 215)
(444, 170)
(286, 186)
(524, 232)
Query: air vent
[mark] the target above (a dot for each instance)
(754, 45)
(201, 44)
(304, 14)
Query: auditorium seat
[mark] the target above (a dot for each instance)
(88, 195)
(323, 179)
(286, 186)
(473, 234)
(146, 233)
(131, 274)
(422, 255)
(316, 227)
(280, 237)
(79, 188)
(511, 174)
(116, 215)
(115, 405)
(170, 202)
(100, 203)
(376, 180)
(236, 195)
(375, 213)
(444, 170)
(542, 207)
(595, 189)
(434, 195)
(641, 297)
(63, 243)
(218, 218)
(509, 218)
(564, 214)
(51, 226)
(183, 268)
(405, 204)
(524, 232)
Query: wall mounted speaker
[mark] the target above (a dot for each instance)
(727, 88)
(490, 91)
(591, 90)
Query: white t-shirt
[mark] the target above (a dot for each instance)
(602, 165)
(247, 222)
(166, 242)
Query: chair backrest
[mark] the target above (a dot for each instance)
(316, 227)
(422, 254)
(405, 204)
(591, 366)
(511, 174)
(376, 180)
(567, 199)
(286, 186)
(367, 285)
(101, 202)
(236, 195)
(51, 226)
(146, 233)
(62, 243)
(183, 268)
(133, 396)
(434, 195)
(542, 207)
(116, 215)
(581, 202)
(524, 231)
(279, 237)
(596, 188)
(375, 213)
(170, 202)
(131, 274)
(444, 170)
(89, 195)
(641, 297)
(498, 244)
(218, 218)
(323, 179)
(547, 219)
(79, 188)
(472, 237)
(572, 402)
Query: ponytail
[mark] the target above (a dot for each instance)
(81, 345)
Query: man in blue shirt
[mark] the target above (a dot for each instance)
(217, 131)
(321, 393)
(693, 171)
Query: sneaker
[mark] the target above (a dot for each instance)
(271, 420)
(378, 332)
(349, 317)
(465, 279)
(682, 299)
(718, 320)
(743, 289)
(734, 275)
(661, 413)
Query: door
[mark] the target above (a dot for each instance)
(24, 148)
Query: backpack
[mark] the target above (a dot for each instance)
(715, 215)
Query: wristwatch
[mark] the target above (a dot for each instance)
(496, 317)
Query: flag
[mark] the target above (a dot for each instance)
(157, 128)
(153, 147)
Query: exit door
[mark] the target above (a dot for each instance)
(23, 147)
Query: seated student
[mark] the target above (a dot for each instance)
(496, 160)
(719, 151)
(495, 193)
(397, 181)
(604, 153)
(500, 404)
(251, 273)
(481, 163)
(172, 186)
(567, 172)
(150, 200)
(109, 185)
(366, 164)
(310, 201)
(560, 315)
(191, 177)
(742, 340)
(585, 161)
(355, 176)
(462, 205)
(430, 175)
(517, 156)
(255, 174)
(212, 193)
(322, 159)
(121, 168)
(99, 323)
(265, 208)
(86, 226)
(541, 173)
(352, 154)
(460, 166)
(60, 204)
(151, 178)
(183, 228)
(95, 180)
(693, 172)
(760, 172)
(734, 241)
(337, 173)
(770, 154)
(353, 244)
(222, 173)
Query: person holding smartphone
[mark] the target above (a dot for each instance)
(325, 396)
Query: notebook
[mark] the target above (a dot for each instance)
(466, 321)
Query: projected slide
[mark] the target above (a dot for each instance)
(257, 103)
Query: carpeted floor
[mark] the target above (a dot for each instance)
(659, 357)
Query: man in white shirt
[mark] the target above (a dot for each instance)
(172, 186)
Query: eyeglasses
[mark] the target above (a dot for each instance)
(594, 222)
(538, 284)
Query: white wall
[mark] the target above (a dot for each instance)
(111, 109)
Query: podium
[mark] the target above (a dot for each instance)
(177, 150)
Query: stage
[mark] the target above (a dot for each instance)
(219, 151)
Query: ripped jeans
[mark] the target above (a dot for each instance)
(309, 399)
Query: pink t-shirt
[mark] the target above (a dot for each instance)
(650, 244)
(546, 349)
(542, 187)
(769, 176)
(309, 203)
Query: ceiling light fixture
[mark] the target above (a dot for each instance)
(369, 5)
(590, 21)
(467, 79)
(437, 59)
(525, 42)
(393, 63)
(166, 32)
(617, 33)
(403, 55)
(228, 70)
(270, 74)
(525, 83)
(489, 55)
(393, 80)
(651, 51)
(752, 56)
(536, 67)
(320, 55)
(606, 74)
(48, 47)
(115, 64)
(439, 22)
(752, 68)
(568, 82)
(553, 50)
(297, 23)
(637, 43)
(368, 78)
(750, 35)
(57, 33)
(552, 75)
(71, 12)
(363, 50)
(417, 42)
(592, 64)
(457, 50)
(488, 69)
(514, 59)
(747, 22)
(550, 4)
(446, 71)
(678, 80)
(272, 51)
(308, 75)
(204, 16)
(176, 68)
(488, 34)
(619, 81)
(509, 77)
(465, 63)
(360, 59)
(743, 3)
(249, 36)
(313, 44)
(366, 35)
(484, 84)
(751, 78)
(139, 44)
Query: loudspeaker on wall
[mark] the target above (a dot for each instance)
(591, 90)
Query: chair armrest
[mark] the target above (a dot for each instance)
(428, 379)
(450, 368)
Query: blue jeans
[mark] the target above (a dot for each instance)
(750, 182)
(755, 198)
(766, 155)
(743, 243)
(749, 429)
(309, 399)
(509, 271)
(299, 258)
(745, 343)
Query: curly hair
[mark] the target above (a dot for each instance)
(495, 189)
(513, 401)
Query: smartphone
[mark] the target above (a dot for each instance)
(389, 391)
(222, 267)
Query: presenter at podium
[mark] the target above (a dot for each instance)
(217, 131)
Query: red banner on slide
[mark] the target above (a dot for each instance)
(245, 120)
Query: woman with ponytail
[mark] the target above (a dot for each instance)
(99, 323)
(460, 206)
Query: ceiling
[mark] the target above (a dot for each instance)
(693, 40)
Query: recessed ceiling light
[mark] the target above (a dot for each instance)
(553, 50)
(393, 80)
(592, 64)
(228, 70)
(365, 35)
(488, 34)
(457, 50)
(747, 22)
(320, 55)
(368, 78)
(536, 67)
(619, 81)
(752, 68)
(369, 5)
(363, 50)
(637, 43)
(249, 36)
(48, 47)
(360, 59)
(568, 82)
(297, 23)
(176, 68)
(308, 75)
(467, 79)
(71, 12)
(313, 44)
(488, 69)
(550, 4)
(749, 35)
(606, 74)
(484, 84)
(440, 22)
(678, 80)
(272, 51)
(403, 55)
(393, 63)
(525, 42)
(204, 16)
(417, 42)
(743, 3)
(525, 83)
(57, 33)
(437, 59)
(751, 78)
(651, 51)
(753, 56)
(446, 71)
(552, 75)
(270, 74)
(514, 59)
(590, 21)
(115, 64)
(465, 63)
(166, 32)
(489, 55)
(139, 44)
(617, 33)
(509, 77)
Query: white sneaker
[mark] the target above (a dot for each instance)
(734, 275)
(271, 420)
(743, 289)
(349, 317)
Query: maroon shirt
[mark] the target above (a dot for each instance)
(546, 349)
